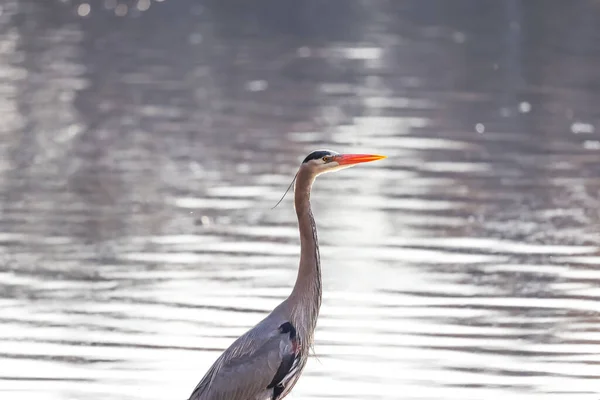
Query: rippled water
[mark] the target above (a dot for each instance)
(140, 156)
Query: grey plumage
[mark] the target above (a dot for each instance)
(248, 366)
(266, 362)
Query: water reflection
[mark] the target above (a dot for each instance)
(143, 145)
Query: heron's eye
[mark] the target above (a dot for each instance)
(327, 159)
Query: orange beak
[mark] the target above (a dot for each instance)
(351, 159)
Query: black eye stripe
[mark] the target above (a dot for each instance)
(315, 155)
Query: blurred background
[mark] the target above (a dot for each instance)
(144, 142)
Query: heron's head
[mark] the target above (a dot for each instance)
(321, 161)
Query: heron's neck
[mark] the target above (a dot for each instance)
(307, 290)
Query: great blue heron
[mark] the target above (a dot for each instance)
(265, 362)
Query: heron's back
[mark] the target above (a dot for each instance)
(262, 364)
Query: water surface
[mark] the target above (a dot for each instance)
(141, 151)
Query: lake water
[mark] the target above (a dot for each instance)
(143, 144)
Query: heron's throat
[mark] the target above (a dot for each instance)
(307, 289)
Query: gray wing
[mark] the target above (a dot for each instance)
(255, 364)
